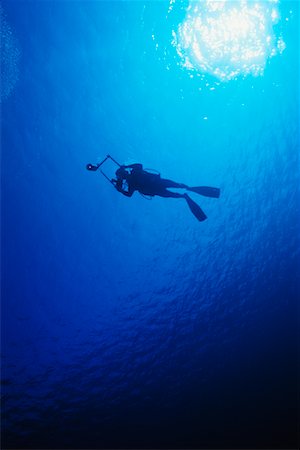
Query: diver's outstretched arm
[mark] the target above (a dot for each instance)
(119, 188)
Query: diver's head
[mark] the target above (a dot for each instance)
(121, 173)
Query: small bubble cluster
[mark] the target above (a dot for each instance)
(9, 59)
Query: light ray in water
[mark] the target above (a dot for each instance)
(228, 38)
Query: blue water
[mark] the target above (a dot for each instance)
(126, 323)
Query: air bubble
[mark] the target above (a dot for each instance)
(9, 59)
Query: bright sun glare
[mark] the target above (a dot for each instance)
(227, 38)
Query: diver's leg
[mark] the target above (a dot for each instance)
(169, 183)
(166, 193)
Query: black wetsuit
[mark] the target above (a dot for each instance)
(146, 183)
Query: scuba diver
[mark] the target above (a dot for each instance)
(134, 177)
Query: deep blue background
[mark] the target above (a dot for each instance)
(125, 322)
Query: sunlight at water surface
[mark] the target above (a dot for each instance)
(228, 38)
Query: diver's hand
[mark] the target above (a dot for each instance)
(115, 184)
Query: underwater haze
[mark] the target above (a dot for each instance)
(127, 323)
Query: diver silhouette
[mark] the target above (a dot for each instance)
(133, 178)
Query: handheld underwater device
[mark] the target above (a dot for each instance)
(94, 168)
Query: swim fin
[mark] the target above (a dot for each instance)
(195, 209)
(206, 191)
